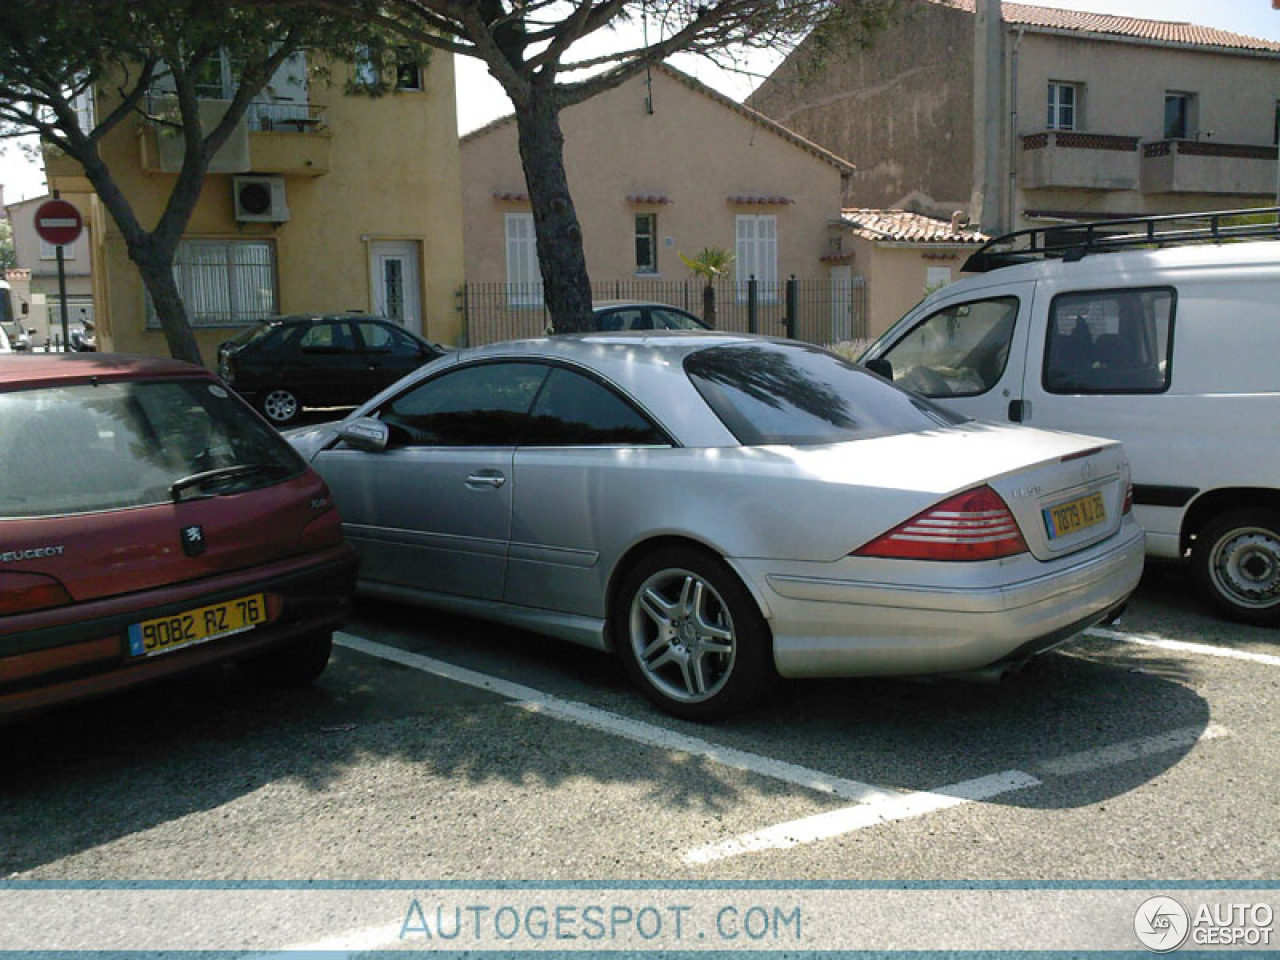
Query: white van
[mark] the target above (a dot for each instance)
(1174, 350)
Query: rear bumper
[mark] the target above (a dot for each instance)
(830, 627)
(56, 657)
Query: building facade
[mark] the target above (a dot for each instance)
(659, 167)
(1091, 116)
(38, 303)
(321, 200)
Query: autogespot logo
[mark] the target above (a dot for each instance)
(1161, 924)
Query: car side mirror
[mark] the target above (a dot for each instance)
(880, 366)
(365, 433)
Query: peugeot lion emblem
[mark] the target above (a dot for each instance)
(193, 540)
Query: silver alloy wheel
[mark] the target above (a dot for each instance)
(1244, 567)
(280, 406)
(682, 635)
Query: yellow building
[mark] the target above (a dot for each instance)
(320, 201)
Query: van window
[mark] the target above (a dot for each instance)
(1110, 341)
(960, 351)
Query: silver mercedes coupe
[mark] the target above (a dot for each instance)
(722, 510)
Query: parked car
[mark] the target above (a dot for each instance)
(151, 523)
(1171, 350)
(640, 315)
(283, 364)
(720, 509)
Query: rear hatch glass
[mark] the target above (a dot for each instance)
(785, 393)
(86, 448)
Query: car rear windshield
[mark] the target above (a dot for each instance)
(85, 448)
(252, 334)
(778, 393)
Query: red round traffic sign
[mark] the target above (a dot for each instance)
(58, 222)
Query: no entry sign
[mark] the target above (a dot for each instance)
(58, 222)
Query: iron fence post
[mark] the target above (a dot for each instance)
(793, 307)
(753, 305)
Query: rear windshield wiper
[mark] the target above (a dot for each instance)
(207, 477)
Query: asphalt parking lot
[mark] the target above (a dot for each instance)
(444, 748)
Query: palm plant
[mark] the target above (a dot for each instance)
(710, 263)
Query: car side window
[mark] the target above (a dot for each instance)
(481, 405)
(1110, 341)
(671, 320)
(628, 318)
(959, 351)
(376, 337)
(328, 338)
(573, 410)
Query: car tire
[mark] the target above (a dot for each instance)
(296, 663)
(691, 636)
(280, 406)
(1237, 565)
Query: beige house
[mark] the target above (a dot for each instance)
(909, 254)
(320, 201)
(1080, 116)
(662, 166)
(37, 303)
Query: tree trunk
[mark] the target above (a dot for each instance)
(156, 267)
(709, 305)
(563, 263)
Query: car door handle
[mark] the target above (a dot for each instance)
(488, 478)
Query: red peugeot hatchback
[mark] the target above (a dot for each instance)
(150, 523)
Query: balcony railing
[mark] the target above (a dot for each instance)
(285, 117)
(1071, 160)
(1208, 166)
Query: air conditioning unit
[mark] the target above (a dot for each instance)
(260, 199)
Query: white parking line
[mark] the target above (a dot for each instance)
(874, 805)
(637, 730)
(1182, 646)
(834, 823)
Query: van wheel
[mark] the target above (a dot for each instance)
(281, 406)
(293, 664)
(1237, 565)
(690, 635)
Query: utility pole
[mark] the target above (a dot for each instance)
(985, 206)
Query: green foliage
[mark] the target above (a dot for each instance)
(709, 262)
(8, 258)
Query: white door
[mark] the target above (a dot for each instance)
(396, 284)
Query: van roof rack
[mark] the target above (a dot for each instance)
(1072, 241)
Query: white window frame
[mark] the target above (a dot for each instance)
(1190, 117)
(1063, 115)
(651, 219)
(524, 275)
(756, 242)
(49, 251)
(228, 283)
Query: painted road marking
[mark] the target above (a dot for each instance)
(874, 805)
(1182, 646)
(582, 714)
(834, 823)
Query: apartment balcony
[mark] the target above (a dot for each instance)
(1206, 166)
(1070, 160)
(291, 139)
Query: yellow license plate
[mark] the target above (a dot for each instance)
(1067, 518)
(152, 637)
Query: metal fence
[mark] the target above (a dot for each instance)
(823, 312)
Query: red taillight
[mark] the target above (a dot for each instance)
(974, 525)
(1128, 499)
(24, 592)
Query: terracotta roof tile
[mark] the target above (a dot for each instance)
(1162, 31)
(903, 226)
